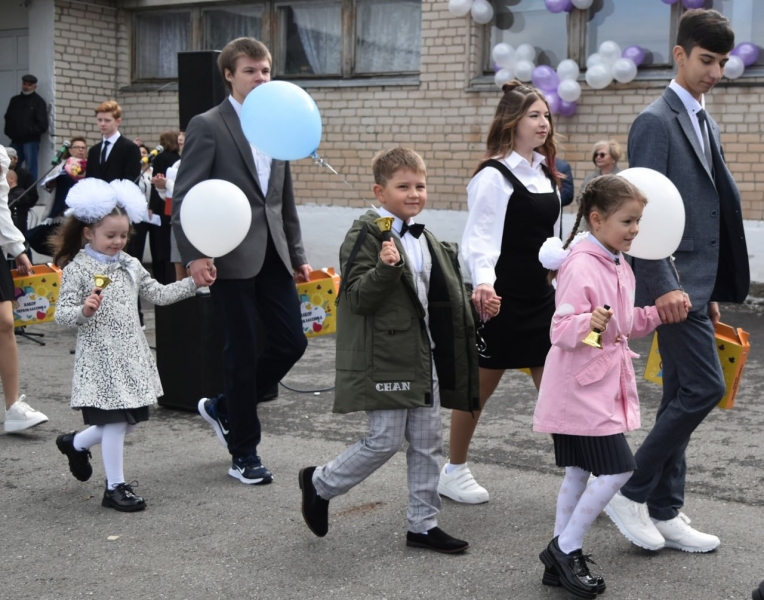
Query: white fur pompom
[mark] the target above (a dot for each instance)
(131, 199)
(552, 255)
(90, 200)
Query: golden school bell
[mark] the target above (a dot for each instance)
(594, 339)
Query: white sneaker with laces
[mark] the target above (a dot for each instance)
(461, 486)
(634, 522)
(21, 416)
(679, 535)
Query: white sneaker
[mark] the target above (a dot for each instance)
(633, 521)
(461, 486)
(678, 534)
(21, 416)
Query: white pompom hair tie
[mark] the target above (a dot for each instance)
(552, 254)
(90, 200)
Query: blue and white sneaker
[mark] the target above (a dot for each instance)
(208, 409)
(249, 470)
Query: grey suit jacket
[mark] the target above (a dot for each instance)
(216, 148)
(712, 258)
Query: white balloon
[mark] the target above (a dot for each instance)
(599, 76)
(610, 52)
(459, 8)
(734, 68)
(569, 90)
(216, 216)
(524, 70)
(525, 52)
(594, 59)
(582, 4)
(567, 69)
(624, 70)
(503, 55)
(502, 76)
(662, 225)
(482, 11)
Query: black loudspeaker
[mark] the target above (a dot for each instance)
(200, 86)
(189, 342)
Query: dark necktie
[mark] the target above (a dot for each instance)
(703, 122)
(104, 146)
(414, 229)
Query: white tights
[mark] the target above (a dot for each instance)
(579, 505)
(112, 440)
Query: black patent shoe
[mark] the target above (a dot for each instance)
(571, 569)
(122, 498)
(759, 593)
(315, 510)
(552, 578)
(79, 460)
(436, 539)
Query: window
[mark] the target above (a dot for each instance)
(311, 39)
(528, 21)
(221, 25)
(747, 18)
(159, 36)
(388, 36)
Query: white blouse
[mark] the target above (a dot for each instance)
(11, 239)
(487, 198)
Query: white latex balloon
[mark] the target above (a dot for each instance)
(582, 4)
(734, 68)
(624, 70)
(567, 69)
(216, 216)
(459, 8)
(569, 90)
(610, 52)
(662, 225)
(594, 59)
(524, 70)
(502, 76)
(525, 52)
(599, 76)
(503, 55)
(482, 12)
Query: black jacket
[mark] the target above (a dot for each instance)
(161, 163)
(26, 118)
(124, 161)
(26, 181)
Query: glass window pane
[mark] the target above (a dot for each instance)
(221, 25)
(626, 23)
(311, 39)
(747, 18)
(528, 21)
(158, 39)
(389, 36)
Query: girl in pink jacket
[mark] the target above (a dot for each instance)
(588, 396)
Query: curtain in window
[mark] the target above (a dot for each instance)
(159, 37)
(389, 36)
(221, 25)
(319, 35)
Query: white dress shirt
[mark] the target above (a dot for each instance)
(692, 106)
(488, 195)
(11, 239)
(109, 148)
(262, 161)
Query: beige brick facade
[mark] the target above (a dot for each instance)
(444, 117)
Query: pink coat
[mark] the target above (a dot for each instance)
(587, 391)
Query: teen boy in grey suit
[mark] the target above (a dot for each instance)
(676, 137)
(255, 281)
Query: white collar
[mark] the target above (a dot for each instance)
(112, 139)
(593, 239)
(514, 160)
(236, 105)
(690, 103)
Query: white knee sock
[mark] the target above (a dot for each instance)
(571, 490)
(591, 504)
(87, 438)
(112, 448)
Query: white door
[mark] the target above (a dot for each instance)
(14, 63)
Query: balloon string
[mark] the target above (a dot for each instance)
(322, 163)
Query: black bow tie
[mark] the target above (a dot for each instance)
(414, 229)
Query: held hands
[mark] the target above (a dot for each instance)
(159, 181)
(600, 318)
(23, 266)
(92, 302)
(389, 253)
(203, 271)
(486, 302)
(673, 307)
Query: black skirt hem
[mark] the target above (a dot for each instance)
(605, 455)
(98, 416)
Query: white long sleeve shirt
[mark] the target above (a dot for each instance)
(11, 239)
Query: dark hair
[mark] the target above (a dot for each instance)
(605, 194)
(69, 238)
(242, 46)
(514, 104)
(169, 141)
(708, 29)
(386, 162)
(76, 138)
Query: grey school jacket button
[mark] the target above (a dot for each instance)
(714, 213)
(713, 243)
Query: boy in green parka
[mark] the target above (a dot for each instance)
(405, 346)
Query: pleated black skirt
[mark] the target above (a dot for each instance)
(6, 281)
(97, 416)
(606, 455)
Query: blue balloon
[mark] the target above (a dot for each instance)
(281, 120)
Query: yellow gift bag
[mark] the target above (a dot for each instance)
(317, 302)
(35, 295)
(732, 346)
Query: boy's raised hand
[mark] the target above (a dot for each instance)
(389, 253)
(92, 302)
(600, 318)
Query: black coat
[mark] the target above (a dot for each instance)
(124, 161)
(26, 181)
(161, 163)
(26, 118)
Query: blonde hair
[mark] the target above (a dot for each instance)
(386, 162)
(613, 147)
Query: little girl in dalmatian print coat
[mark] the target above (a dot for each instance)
(115, 376)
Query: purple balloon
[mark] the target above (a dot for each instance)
(635, 53)
(670, 1)
(568, 109)
(693, 3)
(545, 78)
(569, 7)
(553, 100)
(747, 52)
(557, 6)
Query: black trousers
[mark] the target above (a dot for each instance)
(270, 297)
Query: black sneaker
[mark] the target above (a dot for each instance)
(122, 498)
(436, 539)
(79, 460)
(208, 409)
(249, 470)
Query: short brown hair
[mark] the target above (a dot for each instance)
(110, 106)
(242, 46)
(386, 162)
(169, 141)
